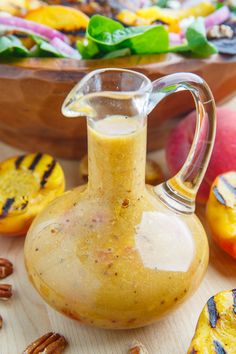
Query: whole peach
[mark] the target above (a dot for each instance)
(223, 158)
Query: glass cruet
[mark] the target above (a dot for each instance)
(117, 253)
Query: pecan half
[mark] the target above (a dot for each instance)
(5, 291)
(137, 348)
(50, 343)
(6, 268)
(1, 321)
(220, 31)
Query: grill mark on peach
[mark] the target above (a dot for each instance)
(18, 161)
(228, 185)
(47, 173)
(35, 161)
(219, 196)
(6, 207)
(234, 300)
(75, 32)
(219, 348)
(24, 205)
(213, 313)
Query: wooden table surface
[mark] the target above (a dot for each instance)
(26, 316)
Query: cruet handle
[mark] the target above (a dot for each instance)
(179, 192)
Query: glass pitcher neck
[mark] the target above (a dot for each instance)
(117, 157)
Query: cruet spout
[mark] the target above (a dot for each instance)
(108, 92)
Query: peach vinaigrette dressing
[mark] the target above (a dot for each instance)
(117, 253)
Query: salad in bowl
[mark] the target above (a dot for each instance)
(81, 29)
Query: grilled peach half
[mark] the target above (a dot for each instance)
(216, 328)
(27, 184)
(221, 212)
(59, 17)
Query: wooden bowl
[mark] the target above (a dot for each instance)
(32, 92)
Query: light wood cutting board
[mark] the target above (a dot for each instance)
(27, 317)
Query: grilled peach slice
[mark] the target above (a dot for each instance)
(221, 212)
(62, 18)
(27, 184)
(216, 328)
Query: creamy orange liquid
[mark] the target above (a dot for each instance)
(111, 254)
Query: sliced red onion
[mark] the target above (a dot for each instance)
(217, 17)
(65, 48)
(175, 38)
(25, 26)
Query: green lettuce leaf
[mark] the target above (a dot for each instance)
(11, 46)
(197, 40)
(87, 48)
(111, 35)
(43, 49)
(161, 3)
(181, 48)
(101, 28)
(153, 40)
